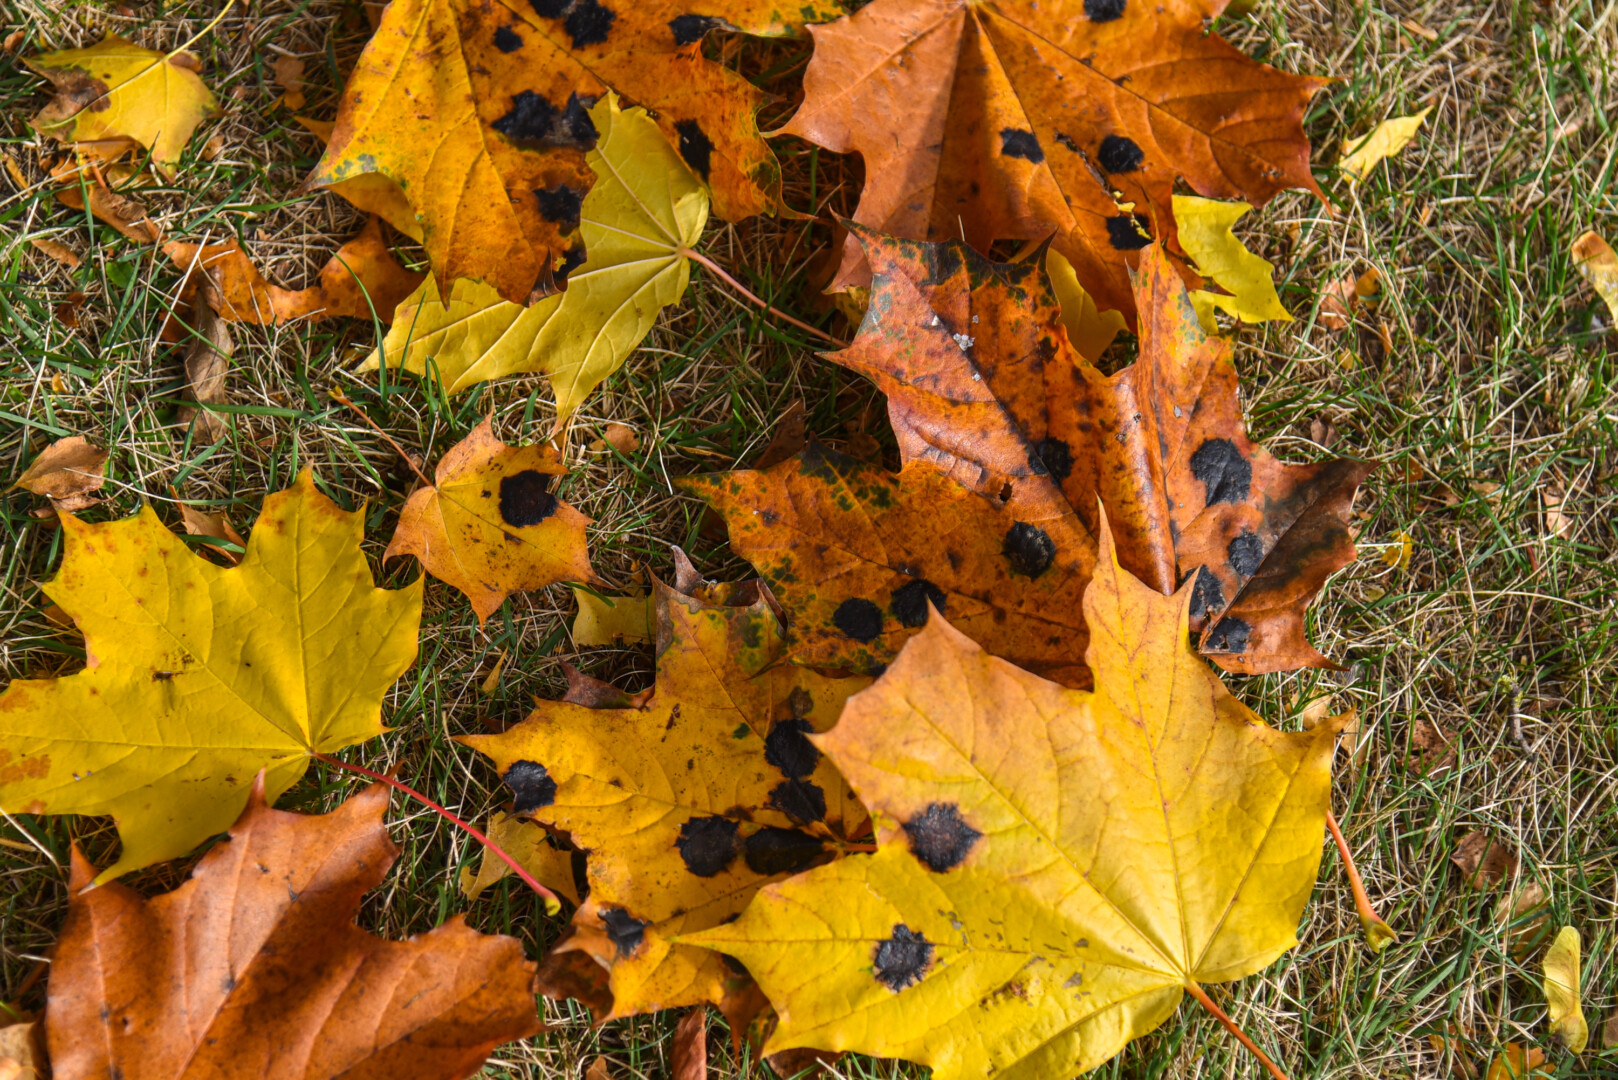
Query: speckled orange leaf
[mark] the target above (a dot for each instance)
(984, 388)
(687, 801)
(478, 110)
(491, 524)
(1020, 118)
(254, 967)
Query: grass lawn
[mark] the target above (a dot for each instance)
(1480, 662)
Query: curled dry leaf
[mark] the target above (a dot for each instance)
(288, 72)
(215, 526)
(67, 311)
(1385, 140)
(1431, 747)
(66, 472)
(1483, 861)
(254, 966)
(1205, 229)
(621, 437)
(118, 90)
(611, 620)
(1517, 1062)
(541, 853)
(203, 674)
(124, 213)
(55, 249)
(208, 351)
(1019, 119)
(691, 1045)
(1065, 925)
(1562, 991)
(687, 801)
(492, 147)
(491, 525)
(1598, 263)
(22, 1051)
(1523, 916)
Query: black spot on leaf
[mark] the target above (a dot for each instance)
(1015, 142)
(1246, 553)
(1207, 594)
(1230, 635)
(561, 205)
(799, 800)
(550, 9)
(859, 619)
(570, 262)
(909, 604)
(588, 23)
(788, 748)
(903, 959)
(526, 499)
(707, 844)
(1029, 548)
(690, 28)
(534, 121)
(507, 40)
(1226, 476)
(531, 786)
(626, 931)
(695, 147)
(939, 838)
(1103, 10)
(1057, 457)
(1126, 232)
(781, 851)
(1120, 154)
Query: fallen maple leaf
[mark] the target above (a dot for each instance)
(1385, 140)
(534, 847)
(491, 525)
(215, 527)
(611, 620)
(638, 223)
(1562, 991)
(1016, 118)
(985, 393)
(1517, 1062)
(66, 472)
(1483, 861)
(208, 352)
(687, 801)
(55, 249)
(1205, 231)
(691, 1046)
(490, 144)
(255, 967)
(1089, 330)
(118, 90)
(1057, 865)
(1596, 260)
(201, 675)
(288, 72)
(22, 1051)
(124, 213)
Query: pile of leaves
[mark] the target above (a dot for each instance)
(955, 779)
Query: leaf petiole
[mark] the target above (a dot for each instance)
(1378, 934)
(719, 272)
(1230, 1025)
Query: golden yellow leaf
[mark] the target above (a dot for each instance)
(1566, 1014)
(116, 89)
(1389, 137)
(201, 675)
(1206, 235)
(491, 525)
(1598, 263)
(609, 620)
(689, 802)
(644, 213)
(533, 847)
(1090, 330)
(1055, 867)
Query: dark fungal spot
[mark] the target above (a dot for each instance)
(707, 844)
(695, 147)
(1029, 548)
(1226, 476)
(550, 9)
(781, 851)
(1014, 142)
(1103, 10)
(858, 619)
(534, 121)
(526, 499)
(1057, 457)
(626, 931)
(1246, 553)
(1230, 635)
(531, 786)
(570, 262)
(939, 838)
(506, 39)
(788, 748)
(1207, 594)
(1120, 154)
(588, 23)
(561, 205)
(910, 600)
(1125, 233)
(903, 959)
(692, 28)
(799, 800)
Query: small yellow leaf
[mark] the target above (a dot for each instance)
(1389, 137)
(116, 89)
(532, 847)
(609, 620)
(1206, 235)
(1090, 330)
(1561, 967)
(1599, 264)
(1397, 554)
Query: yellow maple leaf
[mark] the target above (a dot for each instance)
(491, 525)
(1596, 260)
(688, 803)
(1205, 230)
(1389, 137)
(201, 675)
(1089, 329)
(117, 90)
(608, 620)
(1058, 865)
(1561, 967)
(533, 847)
(638, 222)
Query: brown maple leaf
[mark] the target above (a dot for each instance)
(1010, 439)
(255, 967)
(993, 119)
